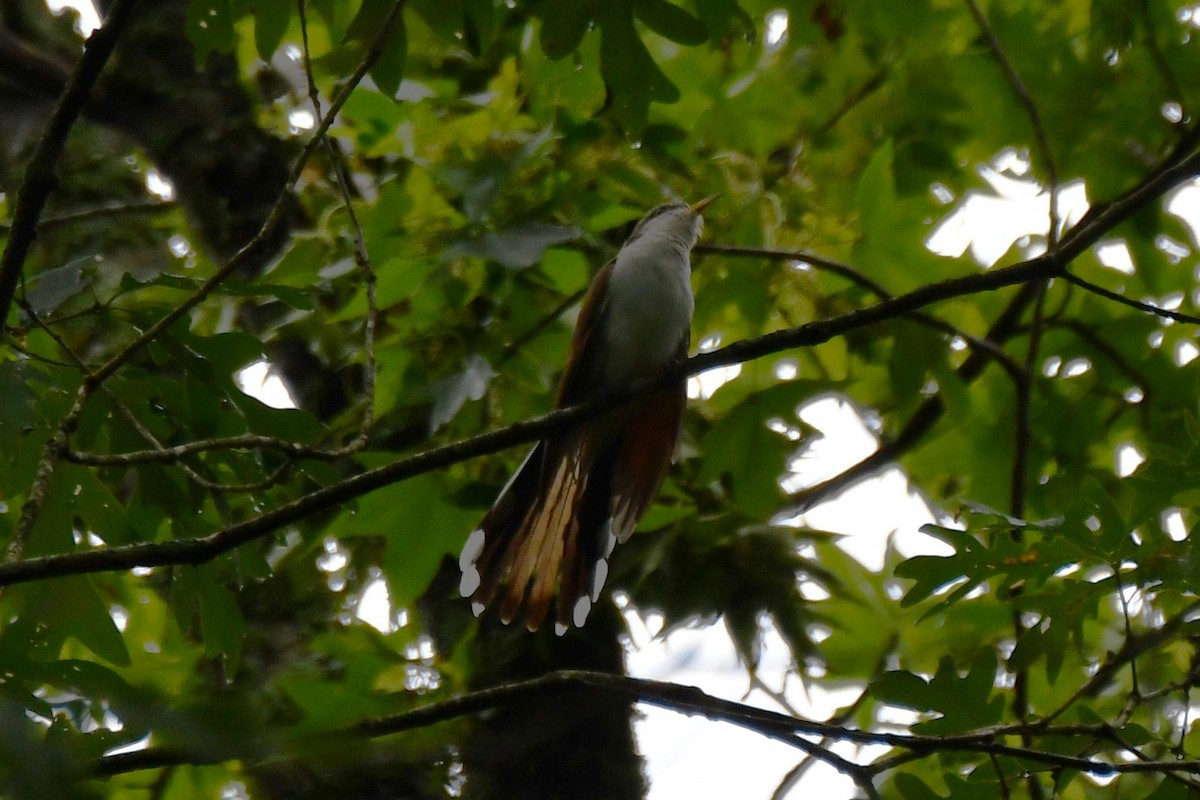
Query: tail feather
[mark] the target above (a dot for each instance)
(539, 542)
(587, 542)
(484, 556)
(647, 446)
(556, 522)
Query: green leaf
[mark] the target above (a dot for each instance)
(913, 788)
(451, 394)
(961, 701)
(670, 21)
(271, 20)
(388, 70)
(70, 608)
(421, 525)
(51, 289)
(200, 593)
(210, 28)
(742, 447)
(629, 70)
(564, 25)
(516, 247)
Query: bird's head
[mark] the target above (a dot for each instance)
(674, 221)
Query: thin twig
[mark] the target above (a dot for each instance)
(1179, 166)
(792, 778)
(1019, 482)
(516, 345)
(361, 258)
(98, 212)
(1166, 313)
(852, 101)
(1041, 140)
(851, 274)
(174, 453)
(1132, 648)
(143, 431)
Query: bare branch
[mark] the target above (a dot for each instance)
(685, 700)
(854, 276)
(1166, 313)
(174, 453)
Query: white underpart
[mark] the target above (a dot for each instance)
(648, 310)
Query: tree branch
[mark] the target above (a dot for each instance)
(202, 549)
(685, 700)
(1094, 225)
(1180, 165)
(98, 212)
(1166, 313)
(361, 258)
(57, 445)
(854, 276)
(39, 180)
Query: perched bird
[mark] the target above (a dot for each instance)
(557, 520)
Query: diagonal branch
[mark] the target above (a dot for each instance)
(39, 180)
(202, 549)
(854, 276)
(1165, 313)
(1179, 166)
(1053, 263)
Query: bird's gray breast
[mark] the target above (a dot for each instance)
(647, 315)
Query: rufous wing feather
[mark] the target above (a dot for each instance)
(647, 445)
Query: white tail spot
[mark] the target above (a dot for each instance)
(469, 582)
(583, 607)
(610, 539)
(598, 578)
(472, 549)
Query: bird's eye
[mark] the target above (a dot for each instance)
(661, 209)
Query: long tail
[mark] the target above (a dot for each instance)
(557, 520)
(531, 535)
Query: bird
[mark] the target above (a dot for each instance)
(578, 494)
